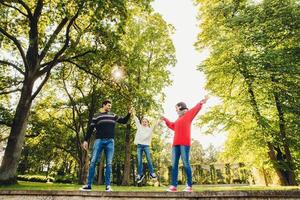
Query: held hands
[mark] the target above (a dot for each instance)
(85, 145)
(131, 110)
(203, 101)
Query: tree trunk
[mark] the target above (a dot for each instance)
(133, 171)
(8, 169)
(126, 173)
(278, 170)
(265, 176)
(258, 117)
(287, 154)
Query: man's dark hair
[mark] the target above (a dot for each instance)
(106, 101)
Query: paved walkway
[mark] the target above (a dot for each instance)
(219, 195)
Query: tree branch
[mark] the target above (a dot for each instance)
(33, 135)
(18, 45)
(11, 91)
(2, 139)
(67, 151)
(41, 85)
(14, 8)
(63, 49)
(38, 9)
(26, 8)
(83, 69)
(52, 38)
(13, 65)
(73, 57)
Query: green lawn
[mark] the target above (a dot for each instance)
(198, 188)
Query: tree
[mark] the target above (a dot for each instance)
(41, 35)
(253, 51)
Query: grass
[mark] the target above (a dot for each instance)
(197, 188)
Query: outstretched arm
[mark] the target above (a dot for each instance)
(194, 111)
(170, 124)
(156, 123)
(136, 121)
(123, 120)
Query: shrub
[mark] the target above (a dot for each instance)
(64, 179)
(34, 178)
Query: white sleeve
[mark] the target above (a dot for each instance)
(137, 122)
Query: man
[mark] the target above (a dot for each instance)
(104, 122)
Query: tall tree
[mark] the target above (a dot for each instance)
(253, 51)
(39, 35)
(148, 52)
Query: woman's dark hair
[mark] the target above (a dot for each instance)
(182, 105)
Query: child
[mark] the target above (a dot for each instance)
(142, 139)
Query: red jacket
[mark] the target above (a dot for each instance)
(182, 126)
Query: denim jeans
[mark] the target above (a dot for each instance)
(184, 152)
(108, 146)
(146, 149)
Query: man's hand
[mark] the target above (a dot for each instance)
(85, 145)
(132, 110)
(203, 101)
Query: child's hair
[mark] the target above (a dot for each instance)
(144, 118)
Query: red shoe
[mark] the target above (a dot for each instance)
(188, 189)
(172, 189)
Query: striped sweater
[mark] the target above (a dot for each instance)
(105, 125)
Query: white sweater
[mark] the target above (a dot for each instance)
(143, 134)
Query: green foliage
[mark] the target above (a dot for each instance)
(62, 112)
(35, 178)
(253, 52)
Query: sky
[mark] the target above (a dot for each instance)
(188, 83)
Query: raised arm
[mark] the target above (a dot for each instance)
(122, 120)
(156, 123)
(136, 121)
(194, 111)
(168, 123)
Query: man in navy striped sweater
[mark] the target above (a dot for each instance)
(104, 122)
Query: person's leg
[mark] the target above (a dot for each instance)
(175, 161)
(149, 160)
(109, 153)
(97, 148)
(185, 156)
(139, 160)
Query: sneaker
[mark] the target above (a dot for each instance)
(86, 188)
(153, 175)
(108, 189)
(140, 178)
(172, 189)
(137, 177)
(188, 189)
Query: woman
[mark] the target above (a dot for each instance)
(182, 141)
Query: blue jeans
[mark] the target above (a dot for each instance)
(146, 149)
(108, 146)
(184, 152)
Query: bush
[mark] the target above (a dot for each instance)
(64, 179)
(34, 178)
